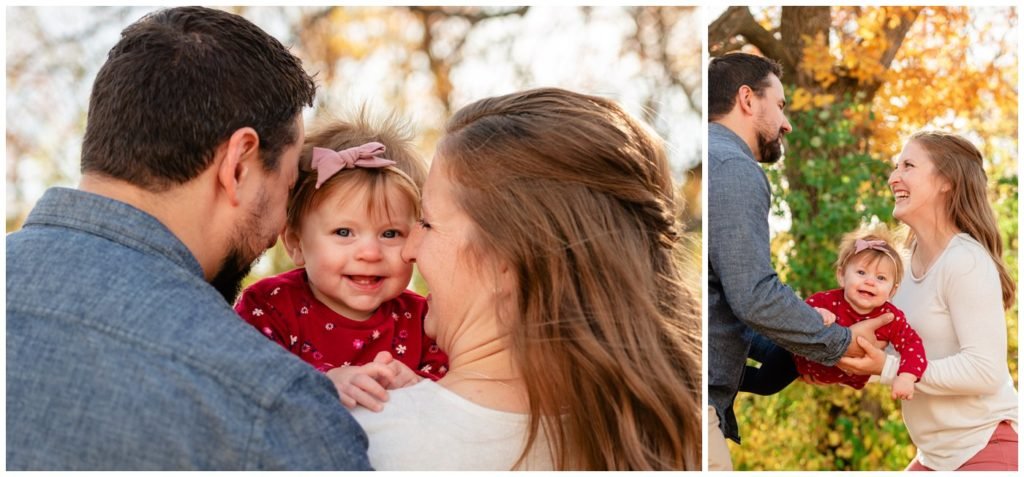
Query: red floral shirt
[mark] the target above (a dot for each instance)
(284, 309)
(898, 333)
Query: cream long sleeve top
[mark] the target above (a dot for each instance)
(956, 307)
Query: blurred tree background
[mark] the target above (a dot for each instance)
(859, 80)
(420, 62)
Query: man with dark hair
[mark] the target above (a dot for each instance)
(123, 351)
(757, 77)
(747, 304)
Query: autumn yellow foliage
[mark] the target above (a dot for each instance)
(941, 79)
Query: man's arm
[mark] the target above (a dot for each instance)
(739, 253)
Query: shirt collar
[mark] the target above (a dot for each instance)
(112, 220)
(728, 134)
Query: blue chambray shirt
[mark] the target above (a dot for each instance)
(746, 299)
(120, 356)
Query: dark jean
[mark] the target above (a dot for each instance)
(777, 368)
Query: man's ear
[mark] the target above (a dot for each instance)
(293, 246)
(241, 153)
(745, 100)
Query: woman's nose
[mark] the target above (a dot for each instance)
(412, 245)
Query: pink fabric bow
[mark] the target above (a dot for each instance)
(327, 163)
(861, 245)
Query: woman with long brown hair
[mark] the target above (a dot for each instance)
(954, 293)
(547, 241)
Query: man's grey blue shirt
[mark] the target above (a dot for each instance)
(121, 356)
(745, 296)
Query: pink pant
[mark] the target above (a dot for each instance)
(999, 454)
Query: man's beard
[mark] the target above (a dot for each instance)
(247, 248)
(228, 281)
(771, 149)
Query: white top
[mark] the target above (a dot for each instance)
(966, 391)
(427, 427)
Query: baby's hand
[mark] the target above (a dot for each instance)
(903, 386)
(362, 385)
(367, 385)
(826, 316)
(403, 375)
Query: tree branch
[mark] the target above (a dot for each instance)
(738, 21)
(311, 20)
(675, 77)
(895, 36)
(473, 15)
(661, 21)
(441, 67)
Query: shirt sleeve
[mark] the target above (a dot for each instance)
(739, 253)
(892, 363)
(972, 293)
(307, 429)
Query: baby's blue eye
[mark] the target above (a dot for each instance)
(391, 233)
(343, 232)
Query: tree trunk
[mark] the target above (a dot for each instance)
(797, 25)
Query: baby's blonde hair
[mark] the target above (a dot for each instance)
(406, 176)
(891, 249)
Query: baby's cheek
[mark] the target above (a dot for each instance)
(404, 271)
(892, 291)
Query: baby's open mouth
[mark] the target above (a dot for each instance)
(365, 279)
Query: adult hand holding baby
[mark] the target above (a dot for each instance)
(866, 330)
(873, 359)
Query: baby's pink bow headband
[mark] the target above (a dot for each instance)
(861, 245)
(327, 163)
